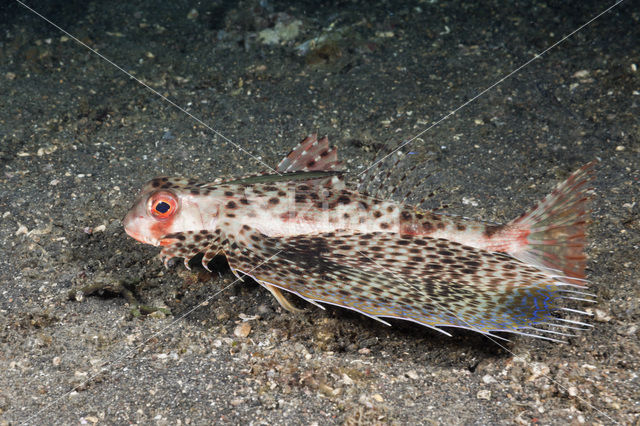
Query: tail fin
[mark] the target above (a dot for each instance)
(556, 228)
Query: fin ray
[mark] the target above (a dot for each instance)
(433, 282)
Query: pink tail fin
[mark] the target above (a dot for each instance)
(556, 228)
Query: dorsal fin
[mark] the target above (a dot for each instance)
(312, 154)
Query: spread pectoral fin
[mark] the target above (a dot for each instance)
(433, 282)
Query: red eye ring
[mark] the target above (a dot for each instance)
(162, 205)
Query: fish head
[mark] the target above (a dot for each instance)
(166, 207)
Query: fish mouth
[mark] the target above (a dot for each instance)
(136, 236)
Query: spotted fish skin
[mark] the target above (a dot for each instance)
(305, 232)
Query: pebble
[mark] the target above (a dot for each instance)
(484, 394)
(346, 379)
(488, 379)
(537, 369)
(412, 375)
(242, 330)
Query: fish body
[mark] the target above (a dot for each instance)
(304, 231)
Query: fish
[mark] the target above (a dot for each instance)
(304, 231)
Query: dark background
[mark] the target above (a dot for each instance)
(78, 138)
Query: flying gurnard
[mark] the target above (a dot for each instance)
(302, 230)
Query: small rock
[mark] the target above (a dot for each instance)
(346, 379)
(573, 391)
(242, 330)
(487, 379)
(537, 369)
(484, 394)
(412, 375)
(378, 397)
(599, 314)
(21, 229)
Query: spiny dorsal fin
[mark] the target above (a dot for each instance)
(309, 155)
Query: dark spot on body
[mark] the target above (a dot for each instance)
(274, 200)
(440, 225)
(228, 193)
(461, 227)
(231, 205)
(344, 199)
(491, 230)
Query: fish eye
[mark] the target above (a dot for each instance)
(162, 205)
